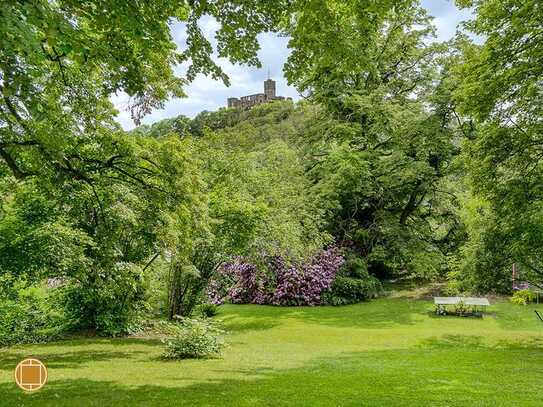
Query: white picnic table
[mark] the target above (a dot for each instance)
(475, 301)
(441, 303)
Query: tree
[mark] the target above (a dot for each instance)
(483, 261)
(380, 154)
(116, 201)
(60, 61)
(100, 238)
(500, 87)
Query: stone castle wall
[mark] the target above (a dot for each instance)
(258, 98)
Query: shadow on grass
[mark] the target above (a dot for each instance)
(452, 342)
(534, 343)
(440, 375)
(452, 316)
(235, 324)
(72, 359)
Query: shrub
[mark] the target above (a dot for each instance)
(110, 304)
(103, 310)
(354, 267)
(523, 297)
(196, 339)
(281, 283)
(248, 284)
(305, 285)
(349, 290)
(452, 289)
(208, 310)
(31, 317)
(353, 283)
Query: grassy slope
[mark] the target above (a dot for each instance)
(386, 352)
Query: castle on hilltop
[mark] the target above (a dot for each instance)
(252, 100)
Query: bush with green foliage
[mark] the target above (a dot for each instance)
(208, 310)
(32, 317)
(196, 339)
(523, 297)
(348, 290)
(110, 305)
(354, 283)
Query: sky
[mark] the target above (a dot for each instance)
(207, 94)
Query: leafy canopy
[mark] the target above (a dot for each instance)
(501, 88)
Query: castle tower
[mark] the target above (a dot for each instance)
(269, 89)
(233, 102)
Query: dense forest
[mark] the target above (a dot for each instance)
(405, 159)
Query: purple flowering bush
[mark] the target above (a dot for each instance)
(305, 284)
(238, 282)
(279, 282)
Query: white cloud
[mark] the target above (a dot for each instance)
(447, 17)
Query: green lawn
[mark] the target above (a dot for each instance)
(386, 352)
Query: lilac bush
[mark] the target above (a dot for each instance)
(305, 285)
(248, 284)
(280, 283)
(239, 282)
(215, 292)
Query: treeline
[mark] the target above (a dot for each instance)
(417, 159)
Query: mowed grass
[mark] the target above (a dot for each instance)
(390, 351)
